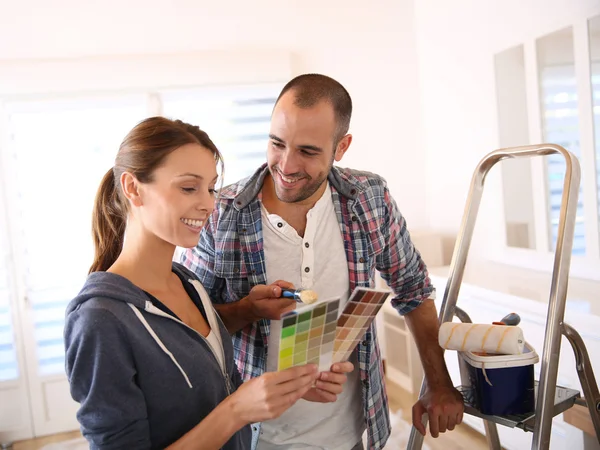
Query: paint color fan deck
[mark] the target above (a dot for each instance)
(307, 335)
(355, 320)
(319, 334)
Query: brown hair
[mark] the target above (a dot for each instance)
(311, 88)
(142, 151)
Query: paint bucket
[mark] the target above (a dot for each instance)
(500, 385)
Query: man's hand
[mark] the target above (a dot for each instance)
(330, 384)
(442, 402)
(265, 303)
(444, 405)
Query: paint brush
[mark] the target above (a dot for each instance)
(303, 295)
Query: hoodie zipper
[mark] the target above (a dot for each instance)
(227, 379)
(220, 324)
(149, 307)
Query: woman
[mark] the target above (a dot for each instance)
(147, 357)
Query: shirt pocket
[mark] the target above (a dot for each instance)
(231, 267)
(377, 243)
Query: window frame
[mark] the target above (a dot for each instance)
(84, 78)
(542, 258)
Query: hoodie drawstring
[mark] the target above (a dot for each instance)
(144, 322)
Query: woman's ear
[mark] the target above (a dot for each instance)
(131, 188)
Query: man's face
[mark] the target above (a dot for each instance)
(301, 148)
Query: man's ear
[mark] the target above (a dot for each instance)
(342, 147)
(131, 188)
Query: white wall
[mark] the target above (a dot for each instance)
(456, 42)
(369, 48)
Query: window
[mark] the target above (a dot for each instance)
(594, 41)
(513, 130)
(8, 357)
(57, 152)
(52, 215)
(560, 125)
(236, 119)
(549, 92)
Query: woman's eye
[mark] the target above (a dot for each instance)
(188, 190)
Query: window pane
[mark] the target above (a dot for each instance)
(59, 153)
(594, 30)
(9, 369)
(236, 118)
(560, 120)
(513, 129)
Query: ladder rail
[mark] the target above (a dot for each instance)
(585, 371)
(544, 406)
(562, 260)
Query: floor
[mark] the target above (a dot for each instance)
(37, 444)
(462, 438)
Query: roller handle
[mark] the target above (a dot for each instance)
(512, 319)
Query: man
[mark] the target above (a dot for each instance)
(300, 219)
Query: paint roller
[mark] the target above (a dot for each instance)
(502, 337)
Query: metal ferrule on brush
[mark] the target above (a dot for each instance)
(300, 295)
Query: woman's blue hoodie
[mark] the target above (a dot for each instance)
(142, 377)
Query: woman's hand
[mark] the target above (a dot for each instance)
(270, 395)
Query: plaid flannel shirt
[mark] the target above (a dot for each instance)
(229, 260)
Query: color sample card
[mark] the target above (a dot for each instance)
(307, 335)
(358, 314)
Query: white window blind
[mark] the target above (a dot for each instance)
(59, 152)
(235, 118)
(560, 118)
(8, 357)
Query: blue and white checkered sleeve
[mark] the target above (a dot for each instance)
(400, 264)
(201, 261)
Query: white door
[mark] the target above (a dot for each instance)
(56, 154)
(15, 422)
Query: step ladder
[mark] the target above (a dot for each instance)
(551, 399)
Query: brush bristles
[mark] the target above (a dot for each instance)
(308, 297)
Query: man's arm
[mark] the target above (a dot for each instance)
(424, 326)
(235, 316)
(442, 402)
(399, 262)
(201, 261)
(263, 302)
(401, 265)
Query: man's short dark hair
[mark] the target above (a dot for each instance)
(312, 88)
